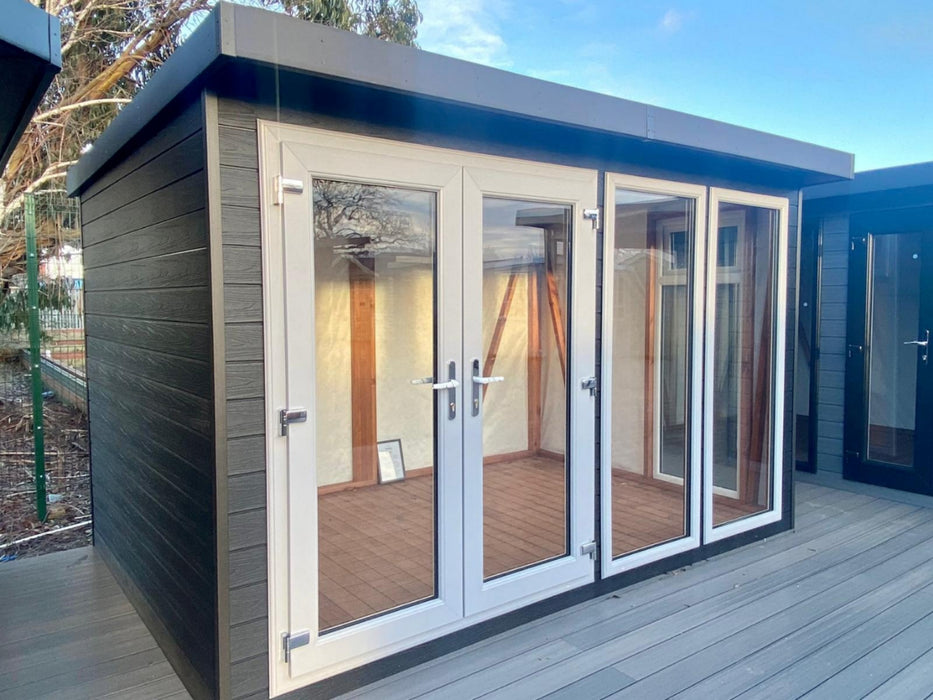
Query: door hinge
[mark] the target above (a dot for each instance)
(589, 383)
(293, 641)
(589, 548)
(283, 185)
(287, 416)
(592, 215)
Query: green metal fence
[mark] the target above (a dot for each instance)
(44, 470)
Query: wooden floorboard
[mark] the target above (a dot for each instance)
(842, 607)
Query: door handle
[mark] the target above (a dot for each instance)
(479, 383)
(487, 380)
(450, 386)
(439, 386)
(924, 344)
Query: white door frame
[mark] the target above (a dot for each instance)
(691, 540)
(548, 185)
(302, 153)
(779, 325)
(287, 247)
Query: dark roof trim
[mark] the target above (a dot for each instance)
(236, 31)
(30, 40)
(868, 181)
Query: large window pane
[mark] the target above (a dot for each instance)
(374, 332)
(652, 275)
(525, 282)
(743, 364)
(895, 318)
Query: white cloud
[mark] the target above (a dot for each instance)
(672, 21)
(463, 30)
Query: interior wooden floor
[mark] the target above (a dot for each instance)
(377, 542)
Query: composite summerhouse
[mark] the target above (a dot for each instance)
(389, 351)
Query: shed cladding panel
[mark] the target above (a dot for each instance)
(149, 375)
(832, 368)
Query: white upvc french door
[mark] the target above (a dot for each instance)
(528, 349)
(378, 305)
(295, 361)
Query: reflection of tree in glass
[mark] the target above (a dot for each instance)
(367, 220)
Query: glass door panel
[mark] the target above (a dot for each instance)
(374, 279)
(648, 385)
(889, 380)
(525, 474)
(894, 320)
(528, 431)
(742, 365)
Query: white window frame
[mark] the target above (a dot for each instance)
(782, 206)
(691, 540)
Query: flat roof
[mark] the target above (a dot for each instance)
(880, 180)
(270, 38)
(30, 56)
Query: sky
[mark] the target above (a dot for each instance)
(854, 75)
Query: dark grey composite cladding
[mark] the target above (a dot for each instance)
(841, 607)
(68, 631)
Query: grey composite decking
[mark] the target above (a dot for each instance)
(842, 607)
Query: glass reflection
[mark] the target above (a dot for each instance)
(743, 361)
(374, 315)
(650, 350)
(525, 282)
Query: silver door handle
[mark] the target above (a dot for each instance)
(439, 386)
(487, 380)
(450, 384)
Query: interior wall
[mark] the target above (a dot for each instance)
(628, 345)
(505, 408)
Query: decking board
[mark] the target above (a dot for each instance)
(838, 608)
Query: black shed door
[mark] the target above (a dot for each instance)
(889, 364)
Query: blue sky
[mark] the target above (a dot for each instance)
(855, 75)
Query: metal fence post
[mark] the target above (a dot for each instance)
(35, 356)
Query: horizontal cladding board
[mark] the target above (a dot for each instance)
(176, 163)
(245, 380)
(238, 147)
(192, 376)
(242, 302)
(187, 304)
(185, 232)
(181, 197)
(177, 129)
(248, 566)
(142, 419)
(190, 487)
(245, 417)
(183, 269)
(239, 186)
(181, 519)
(241, 226)
(249, 677)
(246, 454)
(243, 341)
(248, 603)
(174, 338)
(246, 492)
(242, 265)
(188, 410)
(247, 529)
